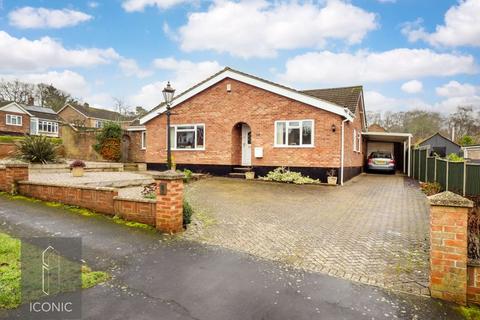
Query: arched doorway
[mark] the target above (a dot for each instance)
(242, 144)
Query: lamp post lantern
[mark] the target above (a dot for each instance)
(168, 93)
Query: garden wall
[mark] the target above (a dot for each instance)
(7, 149)
(165, 213)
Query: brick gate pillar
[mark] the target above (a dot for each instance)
(169, 211)
(448, 246)
(14, 172)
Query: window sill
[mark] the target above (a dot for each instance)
(15, 125)
(187, 149)
(143, 148)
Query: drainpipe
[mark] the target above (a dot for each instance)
(343, 151)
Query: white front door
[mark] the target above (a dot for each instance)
(246, 145)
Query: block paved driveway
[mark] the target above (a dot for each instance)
(372, 230)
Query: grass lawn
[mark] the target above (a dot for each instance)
(10, 275)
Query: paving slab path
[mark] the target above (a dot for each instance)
(162, 277)
(372, 230)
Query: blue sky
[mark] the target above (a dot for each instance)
(408, 54)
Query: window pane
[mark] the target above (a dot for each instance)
(280, 138)
(200, 136)
(307, 132)
(172, 137)
(293, 136)
(185, 127)
(293, 123)
(185, 139)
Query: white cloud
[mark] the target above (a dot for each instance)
(93, 4)
(66, 80)
(259, 28)
(387, 1)
(377, 102)
(28, 18)
(21, 54)
(183, 74)
(412, 86)
(455, 89)
(461, 27)
(131, 68)
(139, 5)
(363, 66)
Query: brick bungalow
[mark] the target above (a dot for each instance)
(79, 115)
(235, 119)
(20, 119)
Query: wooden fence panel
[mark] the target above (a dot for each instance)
(431, 169)
(423, 165)
(442, 173)
(455, 177)
(472, 185)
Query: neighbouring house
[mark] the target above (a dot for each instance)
(88, 117)
(134, 142)
(472, 152)
(234, 119)
(440, 145)
(20, 119)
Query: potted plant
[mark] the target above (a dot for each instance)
(250, 175)
(332, 176)
(77, 168)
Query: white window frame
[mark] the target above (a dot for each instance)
(144, 140)
(53, 125)
(99, 124)
(8, 120)
(355, 140)
(359, 142)
(195, 125)
(301, 145)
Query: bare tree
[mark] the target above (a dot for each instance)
(16, 91)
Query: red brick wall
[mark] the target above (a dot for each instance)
(70, 115)
(136, 210)
(169, 217)
(97, 199)
(7, 150)
(448, 253)
(473, 284)
(24, 128)
(135, 151)
(221, 110)
(10, 174)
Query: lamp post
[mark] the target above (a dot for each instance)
(168, 93)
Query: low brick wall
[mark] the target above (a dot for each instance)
(143, 211)
(99, 199)
(473, 283)
(7, 149)
(10, 174)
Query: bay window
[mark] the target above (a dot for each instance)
(187, 137)
(47, 126)
(295, 133)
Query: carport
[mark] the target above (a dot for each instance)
(398, 143)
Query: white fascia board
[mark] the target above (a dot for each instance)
(321, 104)
(15, 105)
(136, 128)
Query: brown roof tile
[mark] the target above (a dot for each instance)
(345, 96)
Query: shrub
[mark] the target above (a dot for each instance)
(474, 234)
(430, 188)
(454, 157)
(37, 149)
(187, 213)
(188, 175)
(77, 164)
(282, 174)
(149, 191)
(108, 141)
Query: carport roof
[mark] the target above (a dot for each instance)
(387, 136)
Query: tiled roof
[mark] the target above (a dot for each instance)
(101, 113)
(352, 94)
(345, 96)
(41, 112)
